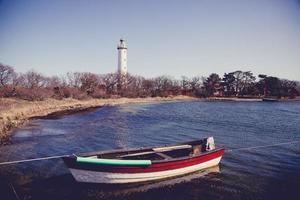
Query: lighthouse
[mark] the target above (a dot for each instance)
(122, 58)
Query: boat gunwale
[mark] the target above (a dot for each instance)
(179, 158)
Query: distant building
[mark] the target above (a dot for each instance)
(122, 65)
(122, 58)
(218, 90)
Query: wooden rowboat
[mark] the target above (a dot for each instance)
(144, 164)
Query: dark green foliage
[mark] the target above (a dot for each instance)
(269, 86)
(228, 84)
(212, 85)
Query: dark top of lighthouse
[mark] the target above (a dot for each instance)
(122, 44)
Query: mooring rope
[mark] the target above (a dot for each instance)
(227, 150)
(262, 146)
(15, 192)
(32, 159)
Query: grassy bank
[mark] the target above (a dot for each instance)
(16, 112)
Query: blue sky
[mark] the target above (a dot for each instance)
(194, 37)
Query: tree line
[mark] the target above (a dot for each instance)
(80, 85)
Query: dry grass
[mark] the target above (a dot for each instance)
(16, 112)
(6, 104)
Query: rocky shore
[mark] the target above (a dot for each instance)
(15, 112)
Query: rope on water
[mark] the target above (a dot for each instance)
(227, 150)
(32, 159)
(263, 146)
(15, 192)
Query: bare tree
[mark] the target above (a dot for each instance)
(110, 81)
(34, 79)
(148, 87)
(134, 86)
(54, 81)
(73, 79)
(163, 85)
(18, 80)
(6, 74)
(247, 81)
(89, 82)
(185, 83)
(195, 83)
(288, 88)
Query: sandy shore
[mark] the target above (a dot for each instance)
(15, 112)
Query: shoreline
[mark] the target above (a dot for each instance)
(247, 99)
(15, 113)
(236, 99)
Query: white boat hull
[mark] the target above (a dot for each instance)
(119, 178)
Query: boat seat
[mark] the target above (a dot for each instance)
(136, 154)
(162, 149)
(163, 155)
(92, 157)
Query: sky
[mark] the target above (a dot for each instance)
(169, 37)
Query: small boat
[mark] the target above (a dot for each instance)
(144, 164)
(270, 99)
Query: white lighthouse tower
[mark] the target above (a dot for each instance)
(122, 58)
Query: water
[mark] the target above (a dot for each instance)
(269, 173)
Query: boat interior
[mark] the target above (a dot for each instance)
(161, 153)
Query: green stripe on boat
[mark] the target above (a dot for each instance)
(114, 161)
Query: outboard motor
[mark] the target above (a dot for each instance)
(210, 144)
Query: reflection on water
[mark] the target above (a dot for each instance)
(120, 129)
(165, 183)
(135, 109)
(270, 173)
(36, 131)
(125, 190)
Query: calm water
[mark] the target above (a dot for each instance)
(269, 173)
